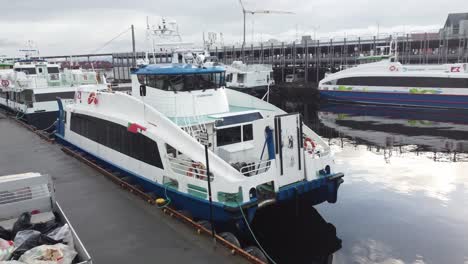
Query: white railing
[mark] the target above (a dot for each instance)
(188, 168)
(256, 168)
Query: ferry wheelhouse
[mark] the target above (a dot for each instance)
(258, 155)
(30, 90)
(389, 82)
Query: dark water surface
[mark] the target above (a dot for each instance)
(405, 195)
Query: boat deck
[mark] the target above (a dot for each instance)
(204, 119)
(114, 225)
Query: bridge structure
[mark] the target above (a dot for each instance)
(312, 58)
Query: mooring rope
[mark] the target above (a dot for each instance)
(45, 129)
(253, 235)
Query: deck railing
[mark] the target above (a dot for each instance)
(188, 168)
(256, 168)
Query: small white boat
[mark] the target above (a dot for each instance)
(248, 77)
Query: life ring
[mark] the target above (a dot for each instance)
(92, 98)
(392, 68)
(309, 145)
(201, 169)
(5, 83)
(196, 169)
(190, 171)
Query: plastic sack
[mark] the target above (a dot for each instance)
(46, 227)
(49, 254)
(32, 242)
(6, 248)
(5, 234)
(23, 223)
(63, 233)
(24, 235)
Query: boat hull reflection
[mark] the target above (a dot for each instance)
(296, 233)
(435, 130)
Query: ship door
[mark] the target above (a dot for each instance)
(289, 148)
(41, 70)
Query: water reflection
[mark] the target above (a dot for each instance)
(441, 135)
(406, 184)
(292, 233)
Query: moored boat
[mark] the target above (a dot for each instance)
(31, 88)
(389, 82)
(250, 78)
(258, 155)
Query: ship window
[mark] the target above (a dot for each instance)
(240, 78)
(237, 119)
(53, 70)
(229, 77)
(26, 70)
(433, 82)
(53, 96)
(233, 135)
(188, 82)
(227, 136)
(116, 137)
(171, 151)
(247, 132)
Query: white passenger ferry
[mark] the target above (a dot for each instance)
(389, 82)
(258, 155)
(31, 88)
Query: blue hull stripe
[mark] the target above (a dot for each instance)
(197, 207)
(313, 192)
(405, 99)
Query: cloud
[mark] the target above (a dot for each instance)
(77, 27)
(8, 43)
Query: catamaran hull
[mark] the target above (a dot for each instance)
(311, 193)
(399, 99)
(40, 120)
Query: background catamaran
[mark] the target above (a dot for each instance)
(258, 154)
(31, 88)
(392, 83)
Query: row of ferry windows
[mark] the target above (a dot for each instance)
(33, 70)
(189, 82)
(435, 82)
(232, 135)
(116, 137)
(27, 97)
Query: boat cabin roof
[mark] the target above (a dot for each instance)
(176, 69)
(34, 63)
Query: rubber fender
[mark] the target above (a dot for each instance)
(231, 238)
(256, 252)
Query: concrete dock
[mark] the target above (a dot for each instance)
(114, 225)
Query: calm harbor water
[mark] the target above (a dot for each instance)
(405, 195)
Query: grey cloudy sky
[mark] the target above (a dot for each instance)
(74, 27)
